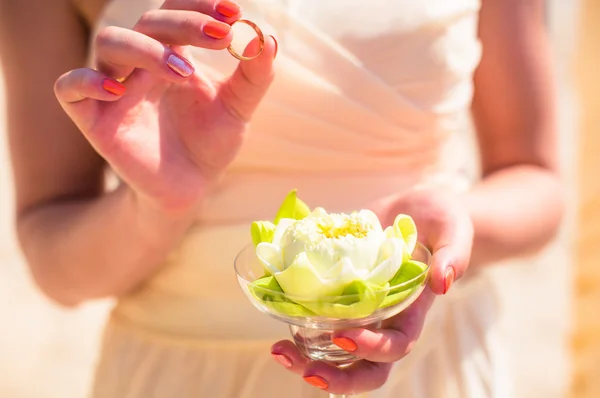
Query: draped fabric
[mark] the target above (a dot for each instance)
(369, 100)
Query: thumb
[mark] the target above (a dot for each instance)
(451, 250)
(244, 90)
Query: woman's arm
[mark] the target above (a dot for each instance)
(517, 207)
(79, 242)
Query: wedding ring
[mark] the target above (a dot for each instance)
(261, 39)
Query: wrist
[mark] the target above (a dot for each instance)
(159, 223)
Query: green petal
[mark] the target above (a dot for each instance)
(262, 231)
(266, 290)
(359, 299)
(292, 207)
(300, 279)
(405, 229)
(409, 271)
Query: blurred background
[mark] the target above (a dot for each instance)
(49, 352)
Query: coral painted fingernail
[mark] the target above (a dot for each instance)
(282, 359)
(180, 65)
(228, 8)
(345, 343)
(316, 381)
(216, 30)
(449, 278)
(276, 45)
(113, 86)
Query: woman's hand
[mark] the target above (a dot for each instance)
(167, 130)
(445, 227)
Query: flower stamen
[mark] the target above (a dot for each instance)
(350, 227)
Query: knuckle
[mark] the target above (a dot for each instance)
(79, 80)
(146, 20)
(59, 84)
(106, 36)
(74, 80)
(192, 26)
(146, 17)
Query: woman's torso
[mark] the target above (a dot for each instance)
(367, 99)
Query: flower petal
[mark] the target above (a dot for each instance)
(282, 226)
(370, 218)
(342, 273)
(390, 259)
(362, 252)
(270, 257)
(292, 207)
(269, 294)
(262, 231)
(318, 212)
(359, 299)
(405, 228)
(301, 279)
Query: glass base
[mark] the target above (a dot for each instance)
(318, 345)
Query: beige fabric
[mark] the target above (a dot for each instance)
(370, 98)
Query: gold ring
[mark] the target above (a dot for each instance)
(261, 38)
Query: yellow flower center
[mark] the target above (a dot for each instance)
(349, 227)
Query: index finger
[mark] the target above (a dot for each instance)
(223, 10)
(392, 342)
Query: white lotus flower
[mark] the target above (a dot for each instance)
(319, 255)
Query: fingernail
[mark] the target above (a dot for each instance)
(276, 45)
(113, 86)
(216, 30)
(228, 8)
(345, 343)
(282, 359)
(317, 381)
(180, 65)
(448, 279)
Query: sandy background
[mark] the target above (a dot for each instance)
(586, 337)
(48, 352)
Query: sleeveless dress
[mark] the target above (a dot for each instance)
(371, 98)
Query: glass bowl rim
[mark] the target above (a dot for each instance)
(325, 299)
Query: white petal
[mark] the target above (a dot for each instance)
(389, 261)
(282, 226)
(318, 212)
(322, 255)
(300, 279)
(389, 233)
(362, 252)
(270, 257)
(341, 273)
(370, 218)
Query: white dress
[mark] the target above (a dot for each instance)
(370, 98)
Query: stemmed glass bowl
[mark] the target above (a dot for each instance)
(313, 333)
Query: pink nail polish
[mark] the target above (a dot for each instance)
(282, 359)
(179, 65)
